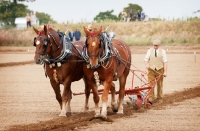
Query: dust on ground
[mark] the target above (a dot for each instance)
(28, 101)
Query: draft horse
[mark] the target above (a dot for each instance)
(62, 63)
(106, 61)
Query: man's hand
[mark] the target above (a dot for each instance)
(165, 74)
(147, 66)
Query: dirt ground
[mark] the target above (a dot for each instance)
(27, 101)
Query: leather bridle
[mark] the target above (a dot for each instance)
(44, 44)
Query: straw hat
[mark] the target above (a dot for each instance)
(156, 42)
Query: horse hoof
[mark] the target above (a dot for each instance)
(68, 114)
(103, 118)
(120, 112)
(86, 109)
(62, 114)
(115, 108)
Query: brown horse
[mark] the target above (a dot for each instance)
(106, 61)
(62, 62)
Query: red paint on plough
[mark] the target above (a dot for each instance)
(139, 94)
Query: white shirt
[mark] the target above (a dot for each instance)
(147, 57)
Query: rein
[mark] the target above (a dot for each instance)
(58, 47)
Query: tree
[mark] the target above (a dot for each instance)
(135, 8)
(15, 1)
(106, 15)
(9, 11)
(44, 18)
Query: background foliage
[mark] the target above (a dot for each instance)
(11, 10)
(133, 33)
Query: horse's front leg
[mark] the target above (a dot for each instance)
(56, 88)
(95, 97)
(66, 99)
(107, 86)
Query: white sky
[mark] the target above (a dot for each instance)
(77, 10)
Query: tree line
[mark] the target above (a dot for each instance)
(11, 9)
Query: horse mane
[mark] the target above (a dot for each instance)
(54, 34)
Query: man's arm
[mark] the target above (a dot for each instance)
(146, 64)
(146, 59)
(165, 63)
(165, 69)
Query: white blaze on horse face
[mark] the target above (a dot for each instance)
(93, 43)
(37, 42)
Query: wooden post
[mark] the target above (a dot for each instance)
(194, 56)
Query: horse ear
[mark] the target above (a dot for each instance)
(99, 31)
(45, 30)
(36, 31)
(86, 31)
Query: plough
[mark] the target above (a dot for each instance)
(138, 94)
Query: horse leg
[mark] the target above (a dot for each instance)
(95, 97)
(56, 88)
(114, 104)
(122, 82)
(87, 95)
(68, 108)
(66, 98)
(107, 86)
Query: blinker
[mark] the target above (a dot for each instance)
(38, 42)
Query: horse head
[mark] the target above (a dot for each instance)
(45, 43)
(93, 46)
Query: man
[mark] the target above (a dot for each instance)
(77, 35)
(139, 15)
(131, 14)
(124, 15)
(71, 35)
(28, 20)
(156, 64)
(33, 19)
(90, 26)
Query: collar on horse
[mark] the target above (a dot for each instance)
(107, 53)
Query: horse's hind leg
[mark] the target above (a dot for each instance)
(122, 82)
(66, 99)
(113, 101)
(56, 88)
(87, 95)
